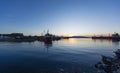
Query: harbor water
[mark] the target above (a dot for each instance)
(63, 56)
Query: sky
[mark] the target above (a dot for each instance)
(61, 17)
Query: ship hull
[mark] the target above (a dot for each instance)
(109, 38)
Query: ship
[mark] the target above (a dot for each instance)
(114, 36)
(48, 37)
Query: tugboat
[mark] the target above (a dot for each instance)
(48, 37)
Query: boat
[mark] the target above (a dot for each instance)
(47, 37)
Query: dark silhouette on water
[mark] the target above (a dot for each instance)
(109, 64)
(20, 37)
(114, 37)
(48, 44)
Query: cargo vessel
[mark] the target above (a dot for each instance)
(114, 36)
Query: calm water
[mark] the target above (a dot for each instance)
(64, 56)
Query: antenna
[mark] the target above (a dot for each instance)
(48, 31)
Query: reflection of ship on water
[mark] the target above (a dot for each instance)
(48, 44)
(108, 40)
(114, 37)
(109, 64)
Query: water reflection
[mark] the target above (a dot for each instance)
(63, 56)
(101, 41)
(116, 43)
(47, 45)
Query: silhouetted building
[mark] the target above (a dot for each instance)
(11, 36)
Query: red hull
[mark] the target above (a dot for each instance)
(47, 39)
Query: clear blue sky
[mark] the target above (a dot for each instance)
(60, 16)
